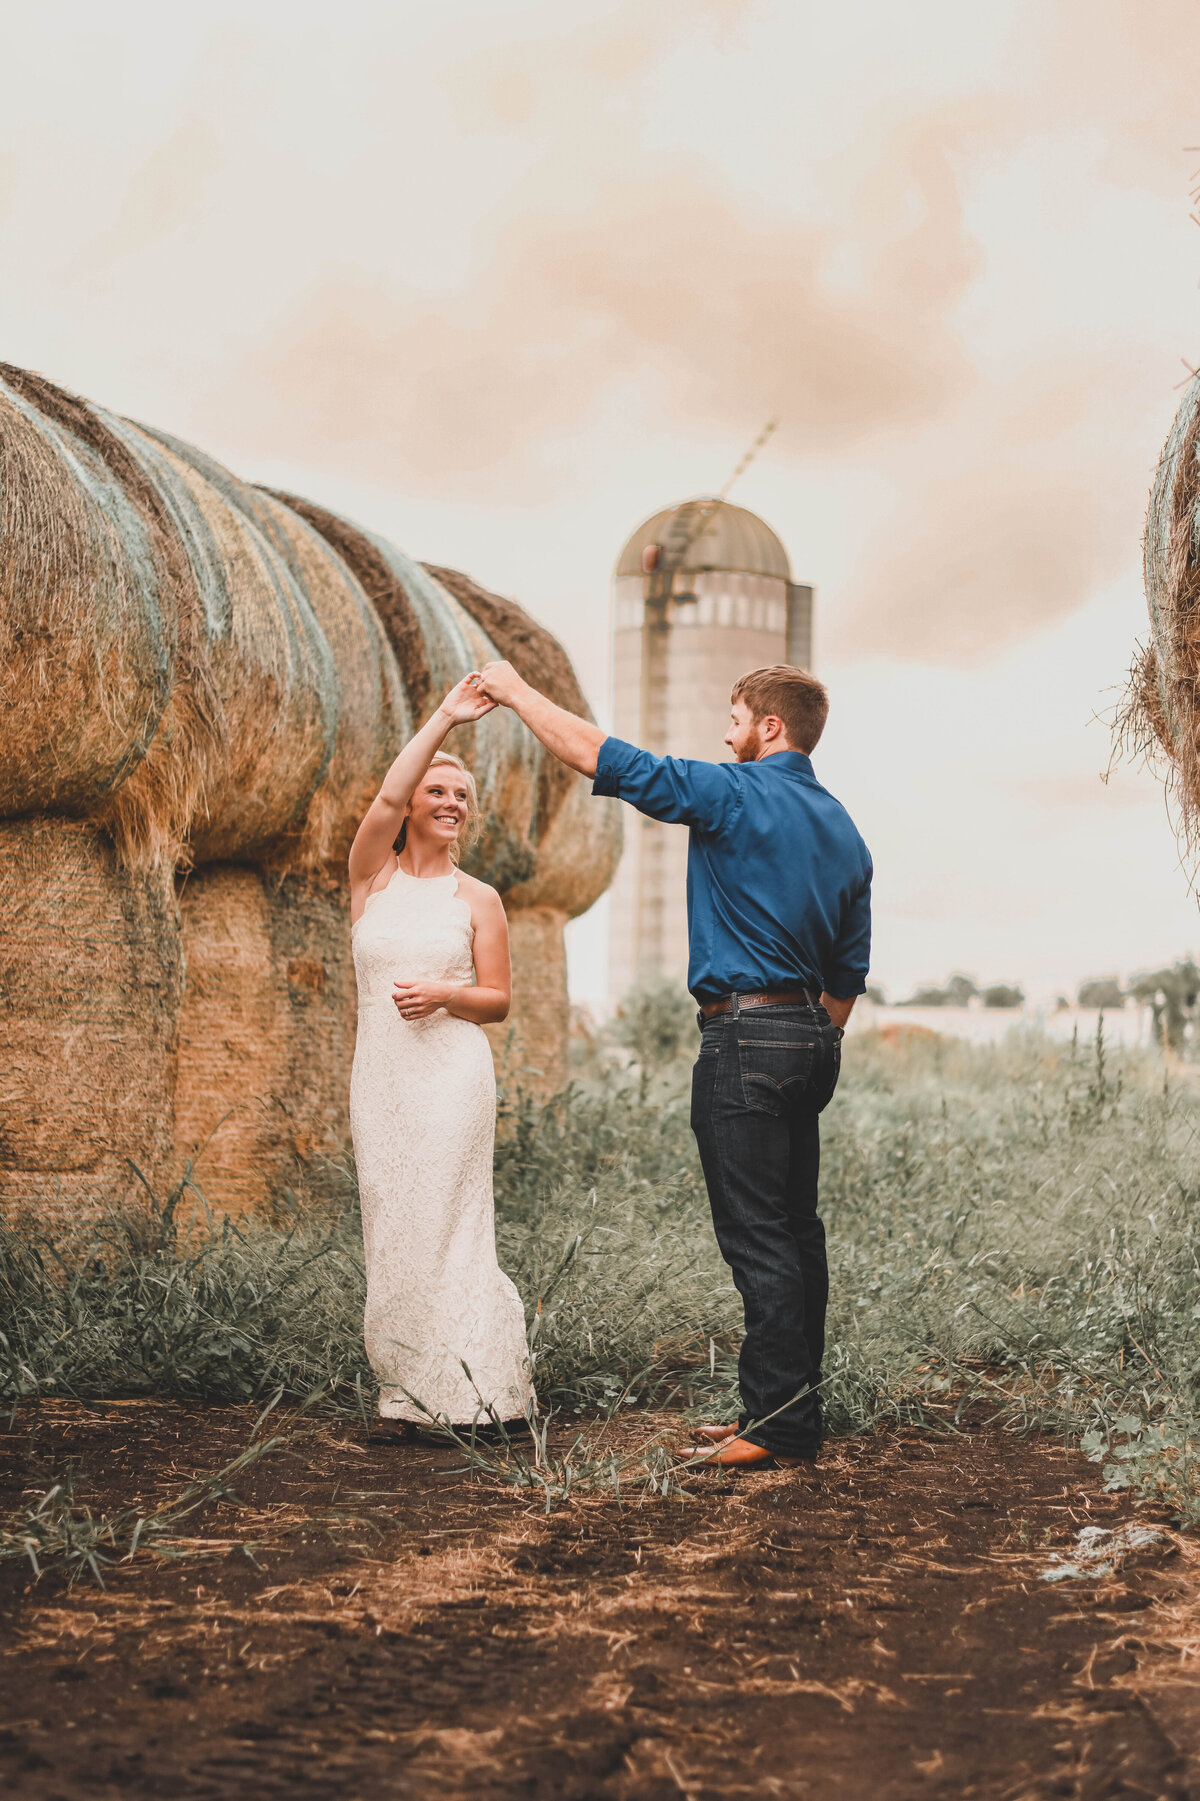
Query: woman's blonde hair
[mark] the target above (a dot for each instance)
(473, 823)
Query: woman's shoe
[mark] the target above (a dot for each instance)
(392, 1432)
(496, 1432)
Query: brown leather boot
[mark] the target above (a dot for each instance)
(716, 1435)
(739, 1454)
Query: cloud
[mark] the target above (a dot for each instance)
(561, 81)
(1013, 512)
(717, 309)
(1029, 495)
(1123, 66)
(163, 193)
(997, 492)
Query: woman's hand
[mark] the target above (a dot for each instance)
(465, 703)
(501, 682)
(417, 1000)
(372, 847)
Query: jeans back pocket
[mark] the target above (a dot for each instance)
(776, 1062)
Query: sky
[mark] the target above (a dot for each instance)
(501, 281)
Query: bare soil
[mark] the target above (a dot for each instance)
(876, 1628)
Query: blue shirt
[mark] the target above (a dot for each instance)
(778, 882)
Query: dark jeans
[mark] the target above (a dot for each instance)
(760, 1081)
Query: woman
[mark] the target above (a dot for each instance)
(423, 1095)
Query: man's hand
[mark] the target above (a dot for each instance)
(576, 741)
(500, 683)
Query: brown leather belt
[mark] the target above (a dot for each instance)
(788, 997)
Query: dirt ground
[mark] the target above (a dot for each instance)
(877, 1628)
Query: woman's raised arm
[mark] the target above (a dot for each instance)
(381, 824)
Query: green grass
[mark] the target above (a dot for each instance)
(1014, 1232)
(56, 1532)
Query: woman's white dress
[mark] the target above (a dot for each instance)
(423, 1116)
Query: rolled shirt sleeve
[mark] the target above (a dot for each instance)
(677, 790)
(845, 973)
(778, 878)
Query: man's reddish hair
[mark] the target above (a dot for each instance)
(794, 696)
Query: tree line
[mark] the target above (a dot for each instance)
(1173, 994)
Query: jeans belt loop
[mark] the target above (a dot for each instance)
(733, 1005)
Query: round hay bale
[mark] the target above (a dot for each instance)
(374, 716)
(384, 591)
(1160, 715)
(108, 712)
(234, 1058)
(214, 677)
(182, 658)
(91, 976)
(309, 923)
(531, 1047)
(266, 1034)
(310, 693)
(501, 754)
(270, 665)
(547, 845)
(576, 838)
(543, 662)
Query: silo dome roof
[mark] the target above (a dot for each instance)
(727, 537)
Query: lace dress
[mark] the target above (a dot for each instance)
(423, 1116)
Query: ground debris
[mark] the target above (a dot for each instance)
(1101, 1551)
(762, 1636)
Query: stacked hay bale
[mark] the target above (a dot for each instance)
(91, 980)
(97, 679)
(205, 684)
(1161, 714)
(540, 891)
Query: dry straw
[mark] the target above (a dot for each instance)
(185, 661)
(1159, 716)
(574, 844)
(109, 706)
(216, 672)
(200, 675)
(535, 655)
(312, 698)
(435, 643)
(382, 588)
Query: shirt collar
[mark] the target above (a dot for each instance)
(795, 760)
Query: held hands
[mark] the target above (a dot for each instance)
(500, 682)
(417, 1000)
(466, 702)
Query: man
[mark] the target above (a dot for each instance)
(779, 886)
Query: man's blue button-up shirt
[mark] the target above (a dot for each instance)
(779, 881)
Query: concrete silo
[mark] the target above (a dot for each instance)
(702, 592)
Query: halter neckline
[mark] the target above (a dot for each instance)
(400, 870)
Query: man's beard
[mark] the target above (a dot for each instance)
(752, 749)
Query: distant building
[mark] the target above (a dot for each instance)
(702, 592)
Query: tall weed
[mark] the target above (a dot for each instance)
(1013, 1234)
